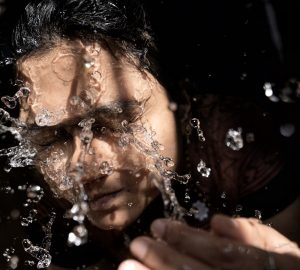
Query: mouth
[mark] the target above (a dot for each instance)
(105, 201)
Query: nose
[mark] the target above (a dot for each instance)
(76, 152)
(97, 161)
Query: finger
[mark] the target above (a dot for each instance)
(245, 230)
(157, 255)
(201, 245)
(132, 265)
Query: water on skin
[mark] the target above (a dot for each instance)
(127, 135)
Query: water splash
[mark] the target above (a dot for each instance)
(78, 236)
(25, 221)
(195, 123)
(199, 210)
(234, 139)
(42, 255)
(203, 169)
(8, 253)
(46, 118)
(11, 102)
(20, 156)
(287, 130)
(48, 232)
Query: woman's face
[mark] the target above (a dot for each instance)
(93, 108)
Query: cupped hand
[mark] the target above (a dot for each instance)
(252, 232)
(178, 246)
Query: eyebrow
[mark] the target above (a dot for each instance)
(129, 110)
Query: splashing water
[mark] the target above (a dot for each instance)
(34, 193)
(199, 211)
(287, 130)
(20, 156)
(25, 221)
(195, 123)
(42, 255)
(48, 232)
(203, 170)
(8, 253)
(78, 236)
(46, 118)
(234, 139)
(11, 102)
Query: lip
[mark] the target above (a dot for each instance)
(104, 201)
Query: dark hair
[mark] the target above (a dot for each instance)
(121, 23)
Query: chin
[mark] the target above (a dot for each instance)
(117, 219)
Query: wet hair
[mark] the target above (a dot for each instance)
(119, 23)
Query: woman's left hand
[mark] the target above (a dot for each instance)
(178, 246)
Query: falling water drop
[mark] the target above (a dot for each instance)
(199, 210)
(203, 170)
(78, 236)
(41, 254)
(234, 139)
(195, 123)
(9, 102)
(287, 130)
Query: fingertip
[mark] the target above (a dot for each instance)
(223, 225)
(158, 228)
(132, 265)
(139, 247)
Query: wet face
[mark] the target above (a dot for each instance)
(97, 122)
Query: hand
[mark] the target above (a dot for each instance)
(252, 232)
(178, 246)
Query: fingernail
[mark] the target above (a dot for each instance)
(139, 247)
(158, 228)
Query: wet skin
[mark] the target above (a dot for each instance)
(111, 89)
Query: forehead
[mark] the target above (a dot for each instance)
(74, 75)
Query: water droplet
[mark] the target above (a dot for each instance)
(35, 193)
(203, 170)
(187, 197)
(195, 123)
(14, 261)
(234, 139)
(9, 102)
(168, 162)
(8, 253)
(124, 141)
(25, 221)
(199, 211)
(130, 204)
(269, 92)
(41, 254)
(287, 130)
(4, 116)
(29, 263)
(268, 89)
(88, 65)
(105, 168)
(46, 118)
(23, 92)
(238, 208)
(78, 236)
(7, 190)
(257, 214)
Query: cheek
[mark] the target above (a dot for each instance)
(125, 157)
(53, 165)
